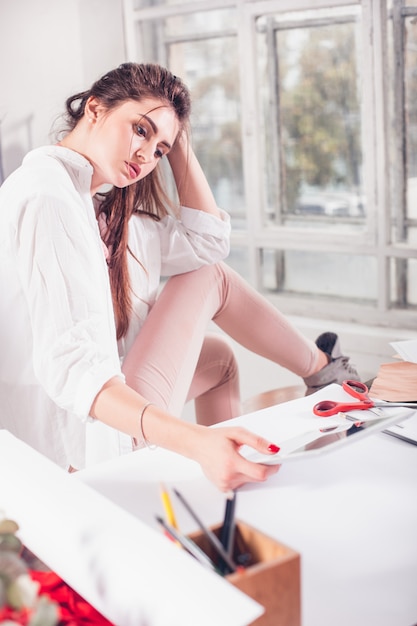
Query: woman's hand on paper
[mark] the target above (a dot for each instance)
(230, 469)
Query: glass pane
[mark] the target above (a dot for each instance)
(309, 74)
(404, 231)
(200, 23)
(209, 66)
(324, 274)
(403, 127)
(403, 283)
(210, 69)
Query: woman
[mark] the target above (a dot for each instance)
(62, 316)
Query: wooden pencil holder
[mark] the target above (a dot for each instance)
(271, 575)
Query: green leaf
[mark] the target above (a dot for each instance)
(10, 543)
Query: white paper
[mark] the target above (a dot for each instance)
(129, 572)
(407, 350)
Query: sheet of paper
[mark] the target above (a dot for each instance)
(128, 571)
(407, 350)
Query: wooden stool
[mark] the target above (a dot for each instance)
(274, 396)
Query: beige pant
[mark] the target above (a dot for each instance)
(174, 359)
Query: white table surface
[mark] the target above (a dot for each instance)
(351, 514)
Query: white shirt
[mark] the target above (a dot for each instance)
(165, 248)
(56, 316)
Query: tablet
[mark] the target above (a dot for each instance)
(330, 434)
(406, 430)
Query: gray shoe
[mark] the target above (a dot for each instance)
(338, 368)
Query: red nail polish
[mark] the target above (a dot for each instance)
(273, 448)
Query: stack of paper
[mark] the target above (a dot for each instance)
(397, 381)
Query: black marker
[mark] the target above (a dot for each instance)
(214, 540)
(228, 528)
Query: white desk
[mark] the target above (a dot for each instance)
(351, 514)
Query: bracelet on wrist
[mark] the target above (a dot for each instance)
(142, 434)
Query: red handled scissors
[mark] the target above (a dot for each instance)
(326, 408)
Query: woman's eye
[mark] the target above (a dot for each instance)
(141, 131)
(159, 154)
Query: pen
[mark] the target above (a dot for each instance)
(169, 511)
(228, 528)
(214, 540)
(187, 544)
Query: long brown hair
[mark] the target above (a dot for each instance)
(130, 81)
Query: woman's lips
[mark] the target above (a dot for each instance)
(133, 169)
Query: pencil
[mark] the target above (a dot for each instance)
(169, 511)
(187, 544)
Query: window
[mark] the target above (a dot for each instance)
(310, 98)
(305, 122)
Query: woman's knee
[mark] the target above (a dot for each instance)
(215, 387)
(217, 356)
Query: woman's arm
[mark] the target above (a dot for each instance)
(215, 449)
(193, 189)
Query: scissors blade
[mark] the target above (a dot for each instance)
(410, 405)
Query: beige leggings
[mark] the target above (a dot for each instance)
(174, 359)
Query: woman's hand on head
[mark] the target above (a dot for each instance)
(222, 463)
(193, 189)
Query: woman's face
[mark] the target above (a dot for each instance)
(127, 143)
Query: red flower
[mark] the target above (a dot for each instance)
(20, 616)
(74, 610)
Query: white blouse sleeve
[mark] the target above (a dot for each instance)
(196, 239)
(64, 277)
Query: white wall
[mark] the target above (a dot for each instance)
(49, 50)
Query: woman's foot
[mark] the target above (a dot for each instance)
(336, 371)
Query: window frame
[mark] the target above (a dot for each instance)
(375, 239)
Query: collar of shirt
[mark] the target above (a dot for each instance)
(79, 168)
